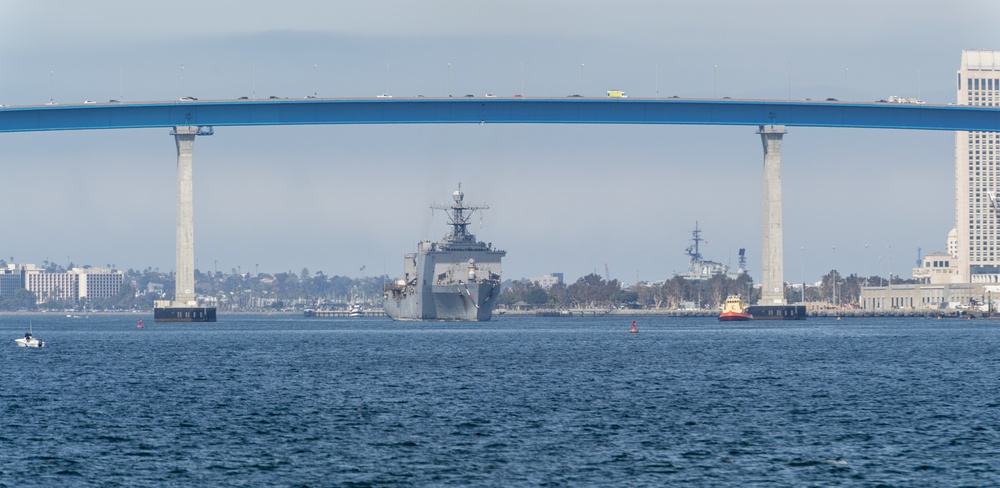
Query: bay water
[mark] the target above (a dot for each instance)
(518, 401)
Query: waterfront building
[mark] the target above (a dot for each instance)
(98, 282)
(49, 286)
(936, 268)
(72, 285)
(973, 250)
(977, 174)
(548, 280)
(10, 282)
(924, 297)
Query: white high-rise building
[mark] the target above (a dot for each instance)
(977, 174)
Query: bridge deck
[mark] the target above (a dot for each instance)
(497, 110)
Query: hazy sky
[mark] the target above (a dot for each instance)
(563, 198)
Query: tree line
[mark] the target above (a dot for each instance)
(239, 291)
(236, 291)
(593, 291)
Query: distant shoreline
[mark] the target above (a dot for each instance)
(578, 313)
(572, 313)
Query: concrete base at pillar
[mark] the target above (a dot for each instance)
(777, 312)
(184, 314)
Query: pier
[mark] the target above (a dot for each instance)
(343, 313)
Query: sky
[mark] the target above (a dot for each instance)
(575, 199)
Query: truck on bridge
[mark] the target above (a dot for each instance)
(895, 99)
(616, 94)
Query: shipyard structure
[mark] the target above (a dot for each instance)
(456, 278)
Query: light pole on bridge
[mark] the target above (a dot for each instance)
(845, 83)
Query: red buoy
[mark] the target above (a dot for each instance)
(634, 329)
(139, 325)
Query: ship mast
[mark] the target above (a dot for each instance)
(693, 250)
(459, 215)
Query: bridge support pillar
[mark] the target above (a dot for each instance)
(184, 307)
(772, 265)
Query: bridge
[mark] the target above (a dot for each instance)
(466, 110)
(190, 118)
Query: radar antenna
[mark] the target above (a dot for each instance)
(459, 215)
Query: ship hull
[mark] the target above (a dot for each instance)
(469, 303)
(778, 312)
(734, 317)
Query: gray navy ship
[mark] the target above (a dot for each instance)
(456, 278)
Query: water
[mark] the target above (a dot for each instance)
(290, 401)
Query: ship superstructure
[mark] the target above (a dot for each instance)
(456, 278)
(701, 269)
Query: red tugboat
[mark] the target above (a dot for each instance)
(734, 309)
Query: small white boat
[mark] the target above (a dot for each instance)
(29, 341)
(356, 311)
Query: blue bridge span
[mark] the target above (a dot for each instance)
(872, 115)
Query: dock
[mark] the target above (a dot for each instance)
(343, 313)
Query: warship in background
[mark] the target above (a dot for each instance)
(700, 269)
(456, 278)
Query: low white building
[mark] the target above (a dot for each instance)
(923, 296)
(937, 268)
(548, 280)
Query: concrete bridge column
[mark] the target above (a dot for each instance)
(184, 307)
(185, 296)
(772, 266)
